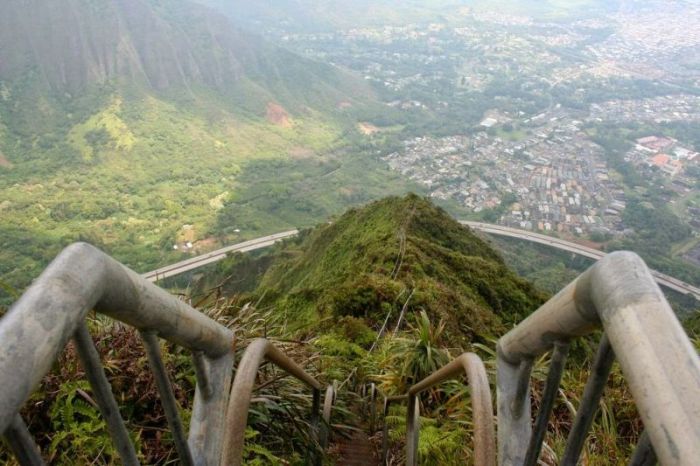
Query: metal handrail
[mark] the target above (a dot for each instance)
(370, 408)
(328, 402)
(618, 294)
(242, 390)
(482, 408)
(37, 327)
(657, 359)
(372, 412)
(373, 391)
(388, 401)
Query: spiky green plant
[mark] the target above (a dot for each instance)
(411, 357)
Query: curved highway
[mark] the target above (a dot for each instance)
(214, 256)
(265, 241)
(662, 279)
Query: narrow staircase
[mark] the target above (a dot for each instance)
(357, 450)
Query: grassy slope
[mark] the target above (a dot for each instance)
(129, 176)
(365, 264)
(336, 282)
(125, 167)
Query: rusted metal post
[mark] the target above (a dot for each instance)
(589, 402)
(167, 396)
(385, 430)
(328, 401)
(388, 401)
(316, 457)
(556, 370)
(372, 408)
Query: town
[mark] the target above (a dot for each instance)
(529, 96)
(554, 180)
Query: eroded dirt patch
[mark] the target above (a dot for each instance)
(300, 153)
(4, 162)
(367, 129)
(277, 115)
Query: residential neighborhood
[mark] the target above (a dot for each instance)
(554, 180)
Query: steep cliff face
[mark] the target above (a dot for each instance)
(70, 44)
(76, 42)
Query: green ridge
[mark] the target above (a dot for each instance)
(367, 262)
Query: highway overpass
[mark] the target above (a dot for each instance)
(214, 256)
(662, 279)
(265, 241)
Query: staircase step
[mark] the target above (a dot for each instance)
(358, 451)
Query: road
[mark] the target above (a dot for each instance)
(662, 279)
(266, 241)
(214, 256)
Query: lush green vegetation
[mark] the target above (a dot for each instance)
(64, 417)
(393, 254)
(242, 139)
(134, 182)
(253, 177)
(338, 284)
(276, 194)
(138, 161)
(323, 298)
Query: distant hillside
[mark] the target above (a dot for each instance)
(368, 262)
(326, 15)
(132, 123)
(72, 44)
(330, 15)
(70, 61)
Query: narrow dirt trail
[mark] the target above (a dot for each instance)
(357, 451)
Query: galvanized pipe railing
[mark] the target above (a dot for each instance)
(242, 391)
(37, 327)
(482, 409)
(372, 407)
(618, 294)
(388, 401)
(328, 402)
(657, 359)
(468, 364)
(22, 444)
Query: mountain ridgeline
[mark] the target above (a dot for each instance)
(392, 254)
(71, 45)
